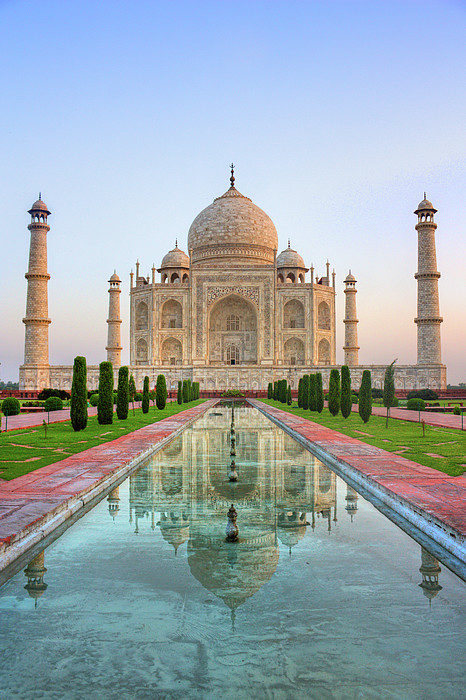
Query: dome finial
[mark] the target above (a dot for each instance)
(176, 242)
(289, 243)
(425, 196)
(40, 195)
(232, 178)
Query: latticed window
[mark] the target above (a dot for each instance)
(232, 323)
(232, 355)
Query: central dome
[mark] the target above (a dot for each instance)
(232, 230)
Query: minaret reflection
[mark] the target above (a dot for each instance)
(113, 501)
(35, 572)
(281, 484)
(351, 499)
(430, 570)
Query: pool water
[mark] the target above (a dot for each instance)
(321, 596)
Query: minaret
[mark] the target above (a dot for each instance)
(428, 314)
(36, 345)
(114, 341)
(351, 346)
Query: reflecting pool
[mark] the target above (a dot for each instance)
(321, 596)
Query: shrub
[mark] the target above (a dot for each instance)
(123, 393)
(105, 405)
(78, 407)
(283, 390)
(289, 397)
(457, 411)
(53, 403)
(138, 396)
(196, 390)
(161, 392)
(275, 391)
(414, 404)
(46, 393)
(389, 389)
(270, 391)
(312, 392)
(365, 396)
(377, 393)
(233, 392)
(346, 400)
(11, 406)
(334, 392)
(425, 394)
(319, 393)
(354, 398)
(186, 390)
(94, 399)
(179, 393)
(145, 396)
(300, 393)
(305, 394)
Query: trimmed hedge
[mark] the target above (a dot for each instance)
(11, 406)
(300, 393)
(319, 393)
(179, 393)
(145, 396)
(270, 391)
(305, 393)
(53, 403)
(346, 400)
(312, 392)
(334, 392)
(415, 404)
(78, 406)
(123, 393)
(105, 405)
(426, 394)
(365, 396)
(161, 392)
(94, 399)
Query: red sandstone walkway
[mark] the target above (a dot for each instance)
(28, 502)
(430, 491)
(30, 420)
(443, 420)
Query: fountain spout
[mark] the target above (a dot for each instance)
(232, 531)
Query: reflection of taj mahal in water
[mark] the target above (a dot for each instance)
(282, 489)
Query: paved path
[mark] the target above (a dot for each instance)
(31, 501)
(444, 420)
(30, 420)
(434, 495)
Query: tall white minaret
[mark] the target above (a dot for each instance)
(351, 346)
(428, 313)
(114, 322)
(36, 321)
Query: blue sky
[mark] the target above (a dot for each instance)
(338, 115)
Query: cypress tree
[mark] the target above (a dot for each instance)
(275, 391)
(185, 391)
(179, 393)
(319, 393)
(132, 390)
(105, 405)
(145, 396)
(300, 393)
(78, 406)
(389, 389)
(289, 398)
(161, 392)
(312, 393)
(282, 390)
(122, 393)
(334, 392)
(270, 391)
(305, 394)
(346, 401)
(365, 396)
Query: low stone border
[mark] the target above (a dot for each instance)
(431, 501)
(34, 505)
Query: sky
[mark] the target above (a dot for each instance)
(337, 114)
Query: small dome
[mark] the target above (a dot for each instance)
(114, 278)
(290, 258)
(175, 258)
(39, 205)
(425, 205)
(350, 277)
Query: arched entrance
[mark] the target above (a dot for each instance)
(233, 332)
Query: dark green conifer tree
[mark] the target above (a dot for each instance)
(123, 393)
(389, 389)
(185, 391)
(312, 392)
(270, 391)
(78, 406)
(132, 390)
(300, 393)
(275, 391)
(305, 395)
(346, 401)
(179, 393)
(319, 393)
(105, 405)
(365, 396)
(161, 392)
(334, 392)
(145, 396)
(289, 397)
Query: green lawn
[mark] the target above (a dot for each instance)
(446, 444)
(23, 451)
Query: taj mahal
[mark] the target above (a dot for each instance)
(232, 312)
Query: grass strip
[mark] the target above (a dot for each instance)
(443, 449)
(24, 451)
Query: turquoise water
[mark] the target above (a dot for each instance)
(321, 596)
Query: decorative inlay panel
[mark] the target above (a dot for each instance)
(214, 293)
